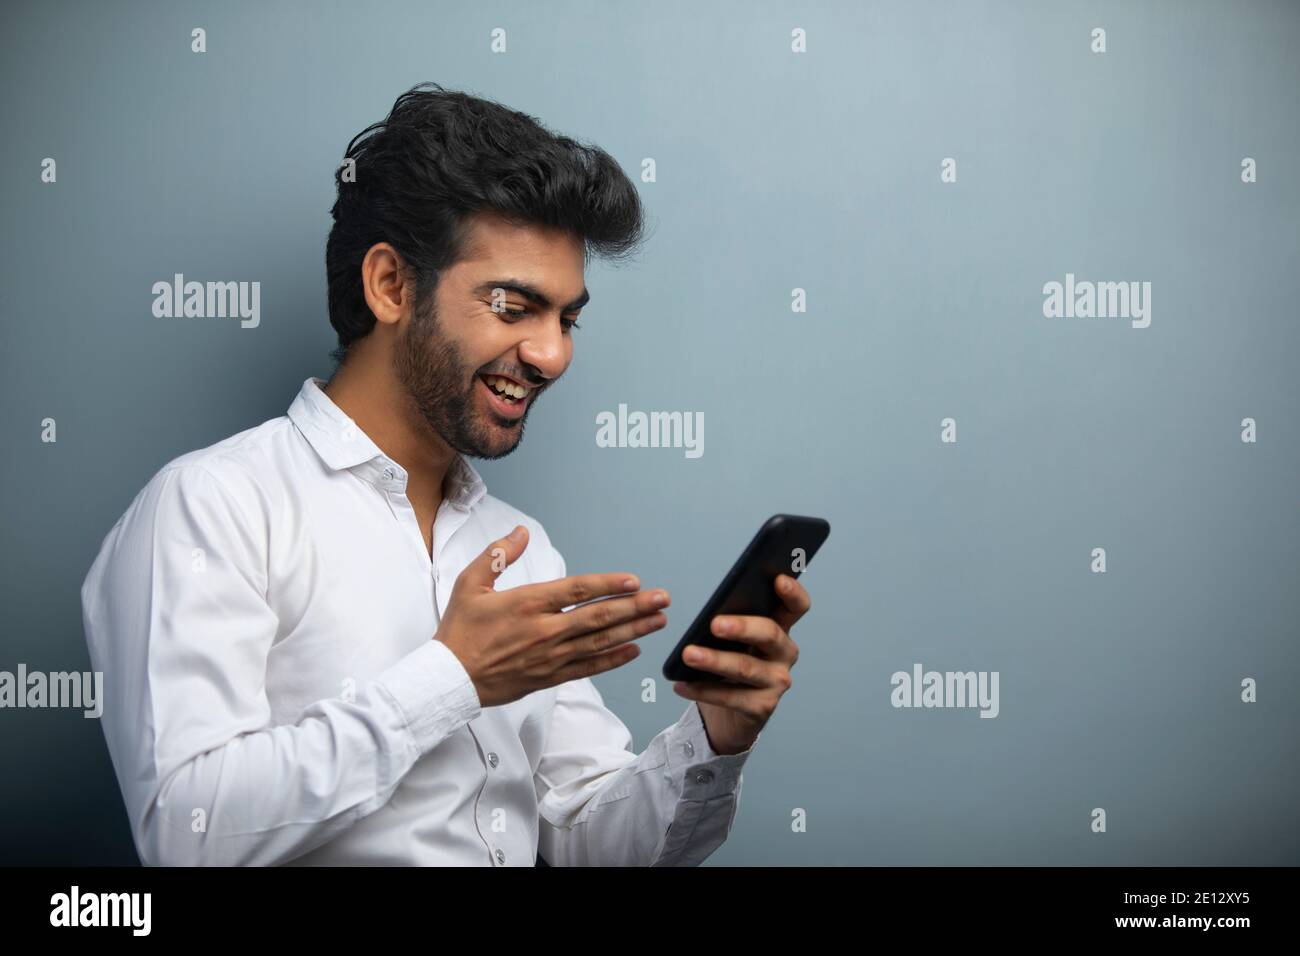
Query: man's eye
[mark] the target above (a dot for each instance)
(566, 324)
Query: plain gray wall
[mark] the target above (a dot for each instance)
(776, 171)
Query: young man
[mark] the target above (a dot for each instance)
(325, 643)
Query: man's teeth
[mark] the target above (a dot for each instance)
(505, 386)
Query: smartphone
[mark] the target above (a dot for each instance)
(784, 545)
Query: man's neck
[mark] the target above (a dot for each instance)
(381, 410)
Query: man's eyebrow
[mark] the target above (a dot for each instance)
(530, 292)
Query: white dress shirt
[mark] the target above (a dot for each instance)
(264, 615)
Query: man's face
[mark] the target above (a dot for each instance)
(446, 357)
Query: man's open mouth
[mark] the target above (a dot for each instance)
(507, 395)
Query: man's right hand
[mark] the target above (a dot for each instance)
(521, 640)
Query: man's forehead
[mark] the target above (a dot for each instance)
(543, 264)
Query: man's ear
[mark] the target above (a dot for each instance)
(387, 283)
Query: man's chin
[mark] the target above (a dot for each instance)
(493, 454)
(499, 439)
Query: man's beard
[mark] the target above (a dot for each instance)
(430, 370)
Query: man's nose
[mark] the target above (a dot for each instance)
(545, 350)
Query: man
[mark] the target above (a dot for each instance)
(325, 643)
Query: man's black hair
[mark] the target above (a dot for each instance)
(442, 156)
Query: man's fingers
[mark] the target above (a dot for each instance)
(742, 668)
(595, 615)
(597, 663)
(763, 634)
(581, 588)
(484, 570)
(795, 601)
(597, 642)
(744, 700)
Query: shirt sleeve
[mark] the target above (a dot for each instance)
(177, 620)
(601, 804)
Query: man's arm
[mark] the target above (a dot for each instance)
(176, 618)
(600, 804)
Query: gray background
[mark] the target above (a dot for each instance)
(775, 171)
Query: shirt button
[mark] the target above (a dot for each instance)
(388, 474)
(689, 748)
(492, 759)
(501, 856)
(704, 776)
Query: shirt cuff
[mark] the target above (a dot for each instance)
(704, 773)
(432, 691)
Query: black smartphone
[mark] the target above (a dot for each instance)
(784, 545)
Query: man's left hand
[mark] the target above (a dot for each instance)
(736, 708)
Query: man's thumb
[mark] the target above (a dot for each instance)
(500, 554)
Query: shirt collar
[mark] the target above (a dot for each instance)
(341, 444)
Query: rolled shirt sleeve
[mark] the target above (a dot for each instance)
(177, 619)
